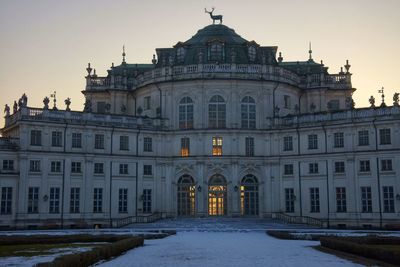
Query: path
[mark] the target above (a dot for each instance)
(226, 249)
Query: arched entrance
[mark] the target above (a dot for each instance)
(217, 205)
(249, 196)
(186, 196)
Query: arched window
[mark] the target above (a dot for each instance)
(248, 110)
(249, 195)
(186, 196)
(217, 112)
(186, 113)
(217, 200)
(216, 52)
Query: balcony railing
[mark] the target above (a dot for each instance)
(47, 115)
(209, 71)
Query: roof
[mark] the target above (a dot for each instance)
(216, 32)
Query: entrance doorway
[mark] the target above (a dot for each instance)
(249, 196)
(217, 204)
(186, 196)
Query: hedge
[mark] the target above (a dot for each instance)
(96, 254)
(364, 249)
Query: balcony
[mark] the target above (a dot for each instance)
(221, 71)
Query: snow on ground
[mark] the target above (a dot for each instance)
(31, 261)
(231, 249)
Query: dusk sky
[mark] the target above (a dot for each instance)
(46, 44)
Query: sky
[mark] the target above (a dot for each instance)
(45, 45)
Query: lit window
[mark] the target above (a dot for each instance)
(217, 146)
(185, 147)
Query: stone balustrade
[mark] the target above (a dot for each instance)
(109, 120)
(231, 71)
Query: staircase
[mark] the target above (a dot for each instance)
(298, 220)
(117, 223)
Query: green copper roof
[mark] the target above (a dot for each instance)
(218, 32)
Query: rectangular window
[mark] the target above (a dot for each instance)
(74, 200)
(312, 141)
(338, 140)
(33, 199)
(384, 136)
(366, 199)
(123, 200)
(388, 199)
(147, 144)
(146, 200)
(6, 200)
(99, 141)
(386, 165)
(56, 138)
(217, 146)
(185, 147)
(98, 200)
(313, 168)
(363, 138)
(341, 199)
(288, 169)
(123, 168)
(249, 146)
(147, 102)
(76, 140)
(8, 165)
(55, 166)
(287, 143)
(98, 168)
(365, 166)
(339, 167)
(289, 199)
(147, 169)
(314, 199)
(36, 138)
(34, 165)
(76, 167)
(124, 142)
(54, 200)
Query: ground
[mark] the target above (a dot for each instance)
(226, 249)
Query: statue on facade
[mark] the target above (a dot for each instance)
(15, 107)
(296, 109)
(139, 110)
(372, 101)
(67, 103)
(123, 109)
(20, 103)
(276, 111)
(350, 103)
(108, 108)
(7, 110)
(312, 107)
(87, 106)
(24, 99)
(214, 17)
(396, 99)
(46, 102)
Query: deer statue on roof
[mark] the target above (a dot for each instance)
(214, 17)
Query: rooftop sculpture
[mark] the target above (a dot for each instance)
(214, 17)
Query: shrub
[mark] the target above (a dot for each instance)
(365, 247)
(97, 254)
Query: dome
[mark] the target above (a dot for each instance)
(219, 32)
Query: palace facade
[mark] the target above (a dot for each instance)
(214, 126)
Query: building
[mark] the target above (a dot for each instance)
(214, 126)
